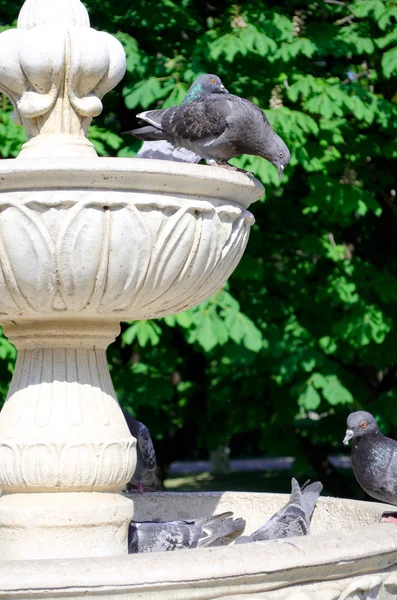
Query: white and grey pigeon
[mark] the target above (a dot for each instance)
(293, 519)
(163, 150)
(217, 127)
(374, 459)
(165, 536)
(144, 477)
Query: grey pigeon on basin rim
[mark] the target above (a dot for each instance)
(163, 150)
(293, 519)
(165, 536)
(217, 127)
(374, 459)
(144, 477)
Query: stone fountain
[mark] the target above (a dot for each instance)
(85, 243)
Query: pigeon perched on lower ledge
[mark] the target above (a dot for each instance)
(293, 519)
(165, 536)
(144, 477)
(374, 459)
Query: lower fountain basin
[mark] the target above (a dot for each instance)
(348, 556)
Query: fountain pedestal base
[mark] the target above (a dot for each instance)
(63, 525)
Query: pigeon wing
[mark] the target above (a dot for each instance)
(199, 120)
(193, 121)
(225, 533)
(163, 150)
(162, 536)
(146, 448)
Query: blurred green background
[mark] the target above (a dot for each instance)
(302, 334)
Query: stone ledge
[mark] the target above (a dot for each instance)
(361, 556)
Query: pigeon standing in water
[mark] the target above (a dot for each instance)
(164, 536)
(374, 459)
(293, 519)
(144, 477)
(217, 127)
(163, 150)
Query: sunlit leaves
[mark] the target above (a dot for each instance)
(305, 324)
(146, 92)
(134, 58)
(389, 62)
(364, 8)
(219, 320)
(242, 41)
(11, 136)
(144, 332)
(363, 325)
(105, 141)
(389, 17)
(296, 47)
(328, 387)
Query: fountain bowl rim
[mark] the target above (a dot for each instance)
(129, 174)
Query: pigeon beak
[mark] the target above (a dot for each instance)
(349, 435)
(280, 171)
(223, 89)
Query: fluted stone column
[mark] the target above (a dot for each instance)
(85, 243)
(65, 450)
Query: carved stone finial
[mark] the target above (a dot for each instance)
(55, 69)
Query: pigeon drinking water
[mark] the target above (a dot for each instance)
(293, 519)
(144, 476)
(374, 459)
(217, 127)
(164, 536)
(163, 150)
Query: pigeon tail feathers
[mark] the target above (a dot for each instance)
(153, 117)
(310, 495)
(228, 531)
(219, 528)
(148, 133)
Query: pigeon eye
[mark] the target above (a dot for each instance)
(213, 80)
(281, 154)
(363, 424)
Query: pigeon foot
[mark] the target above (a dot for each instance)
(226, 165)
(389, 517)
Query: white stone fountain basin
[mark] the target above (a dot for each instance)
(117, 238)
(348, 556)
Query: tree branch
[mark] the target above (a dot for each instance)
(348, 19)
(335, 2)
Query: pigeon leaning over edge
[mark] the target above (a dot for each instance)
(164, 536)
(144, 477)
(293, 519)
(374, 459)
(163, 150)
(216, 127)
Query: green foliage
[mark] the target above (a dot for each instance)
(11, 136)
(306, 322)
